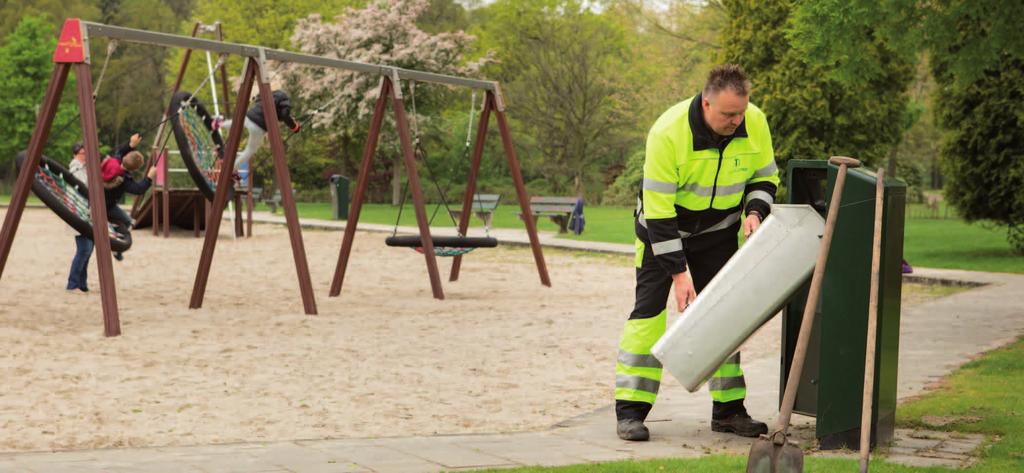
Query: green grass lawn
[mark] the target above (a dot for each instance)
(609, 224)
(987, 394)
(932, 243)
(955, 244)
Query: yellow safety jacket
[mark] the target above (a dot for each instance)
(695, 186)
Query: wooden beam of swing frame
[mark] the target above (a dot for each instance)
(390, 89)
(216, 209)
(98, 213)
(121, 33)
(491, 103)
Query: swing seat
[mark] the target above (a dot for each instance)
(199, 143)
(63, 193)
(443, 245)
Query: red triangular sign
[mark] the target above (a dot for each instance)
(70, 47)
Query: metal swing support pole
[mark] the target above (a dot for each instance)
(493, 102)
(255, 72)
(360, 191)
(72, 50)
(474, 170)
(419, 204)
(390, 89)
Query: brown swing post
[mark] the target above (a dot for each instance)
(70, 51)
(389, 89)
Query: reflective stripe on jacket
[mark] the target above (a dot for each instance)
(694, 185)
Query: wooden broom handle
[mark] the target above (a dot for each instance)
(807, 322)
(869, 350)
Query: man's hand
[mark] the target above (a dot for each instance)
(135, 140)
(685, 294)
(751, 223)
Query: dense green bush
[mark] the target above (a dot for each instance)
(983, 155)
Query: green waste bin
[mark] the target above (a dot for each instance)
(832, 382)
(339, 197)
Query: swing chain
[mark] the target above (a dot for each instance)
(418, 150)
(111, 47)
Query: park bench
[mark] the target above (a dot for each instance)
(558, 209)
(272, 201)
(483, 207)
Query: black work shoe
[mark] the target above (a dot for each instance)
(739, 424)
(633, 429)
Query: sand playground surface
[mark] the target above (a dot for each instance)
(502, 353)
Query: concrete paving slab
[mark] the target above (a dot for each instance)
(544, 450)
(377, 458)
(292, 457)
(445, 451)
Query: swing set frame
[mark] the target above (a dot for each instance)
(72, 52)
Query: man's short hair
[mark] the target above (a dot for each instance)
(132, 161)
(75, 148)
(727, 76)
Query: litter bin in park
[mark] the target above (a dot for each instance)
(339, 197)
(832, 382)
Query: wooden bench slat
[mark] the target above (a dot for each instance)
(482, 205)
(551, 208)
(553, 200)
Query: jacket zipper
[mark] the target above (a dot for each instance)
(714, 186)
(714, 190)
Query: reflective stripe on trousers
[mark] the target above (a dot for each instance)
(637, 372)
(727, 384)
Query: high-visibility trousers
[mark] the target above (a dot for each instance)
(637, 372)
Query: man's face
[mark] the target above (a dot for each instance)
(723, 112)
(80, 155)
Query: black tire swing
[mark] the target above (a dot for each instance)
(68, 197)
(199, 143)
(443, 245)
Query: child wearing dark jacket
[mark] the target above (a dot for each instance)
(256, 124)
(116, 171)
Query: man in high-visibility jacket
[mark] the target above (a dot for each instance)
(709, 171)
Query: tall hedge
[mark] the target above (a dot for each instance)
(983, 153)
(26, 64)
(811, 115)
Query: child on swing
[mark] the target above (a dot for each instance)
(256, 124)
(116, 171)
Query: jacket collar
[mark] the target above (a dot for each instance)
(703, 137)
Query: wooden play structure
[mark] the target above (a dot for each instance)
(187, 206)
